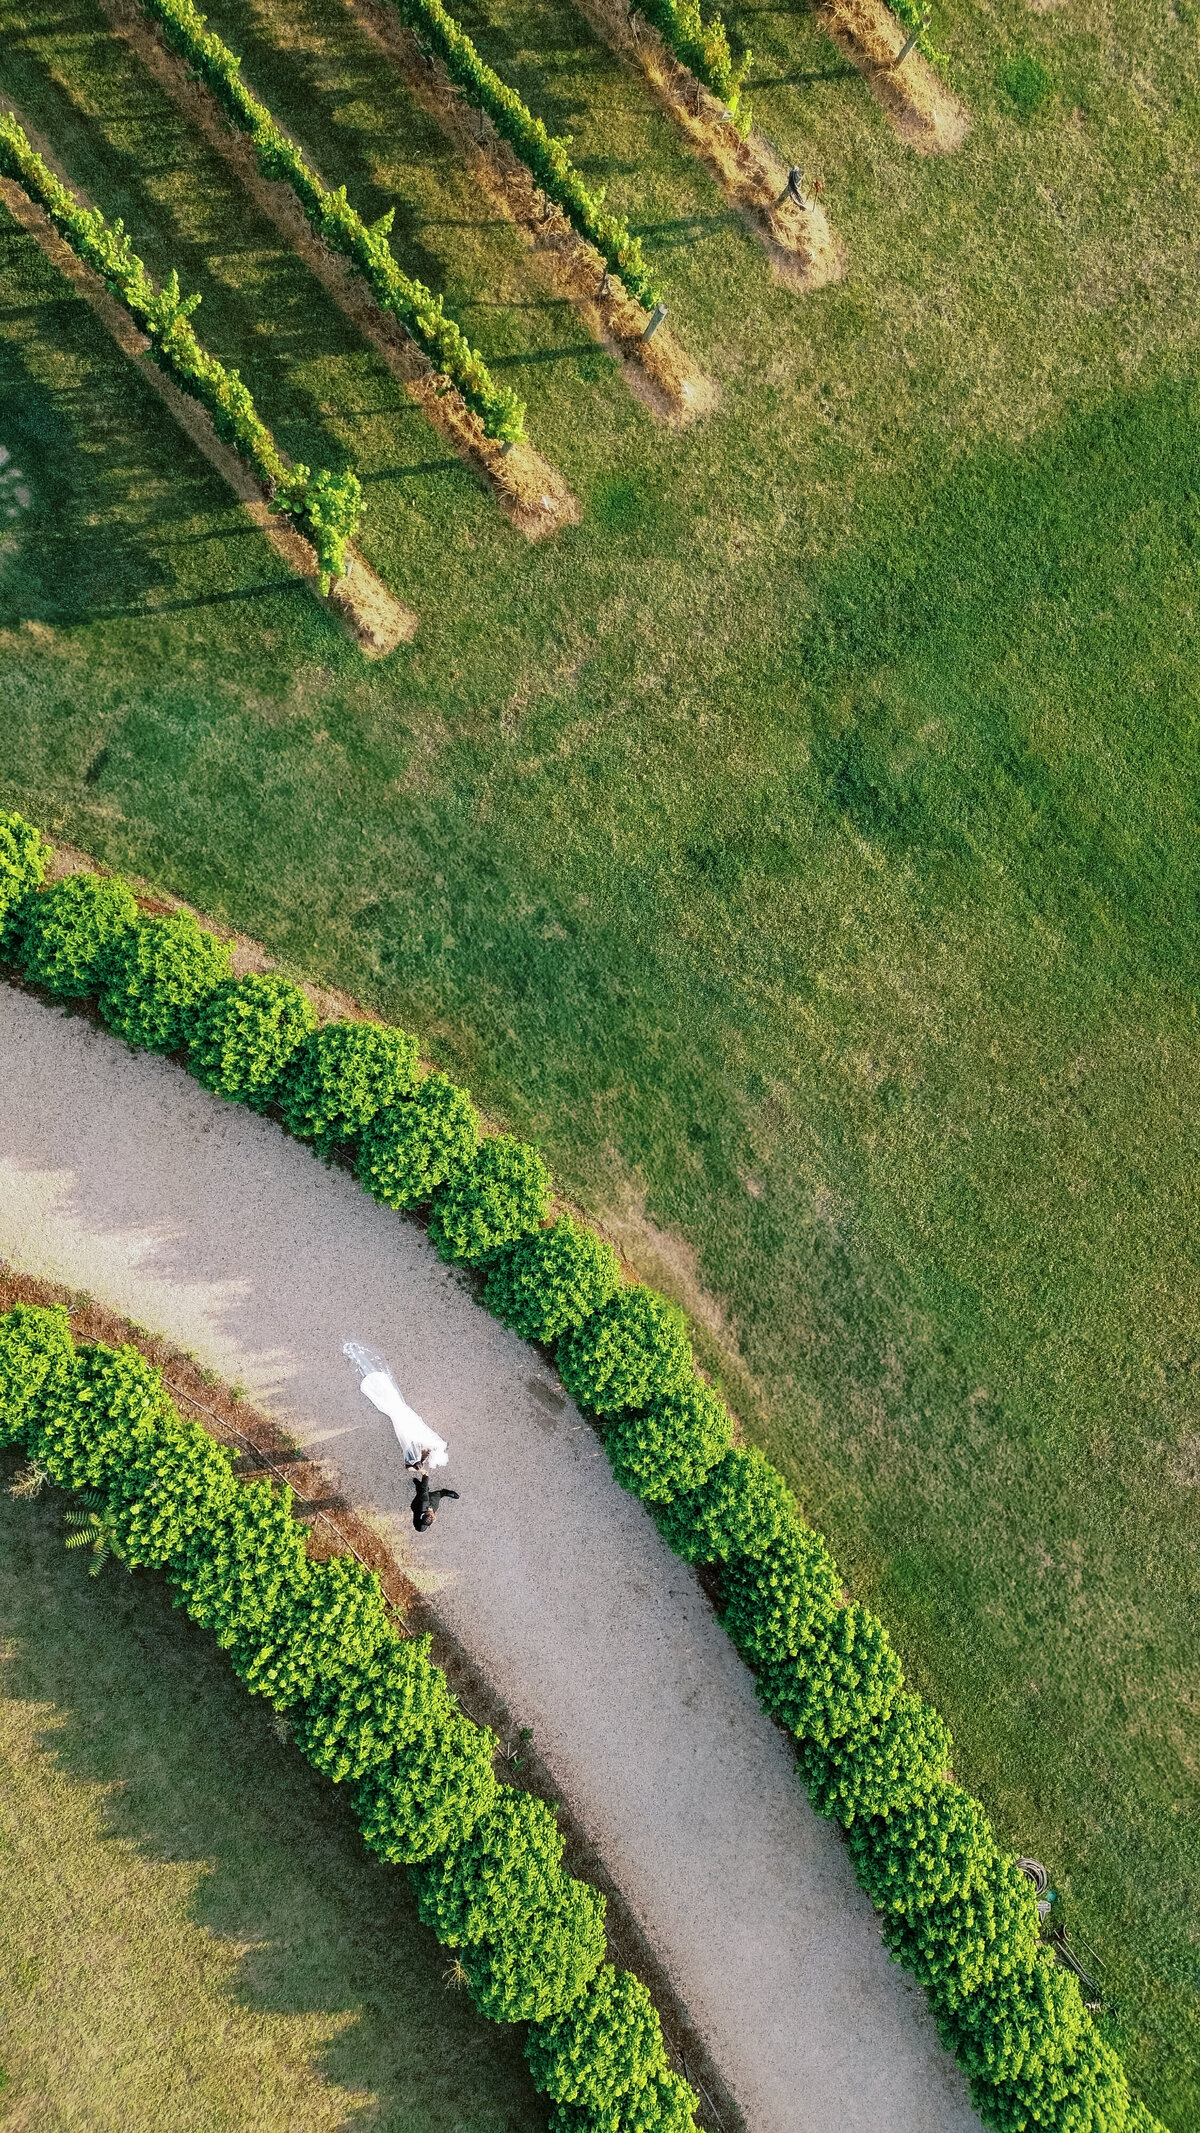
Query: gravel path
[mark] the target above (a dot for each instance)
(118, 1175)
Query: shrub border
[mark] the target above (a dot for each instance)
(314, 1635)
(955, 1910)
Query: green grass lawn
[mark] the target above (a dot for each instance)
(804, 847)
(192, 1936)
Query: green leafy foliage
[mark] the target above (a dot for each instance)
(741, 1509)
(408, 1149)
(884, 1765)
(541, 152)
(672, 1445)
(156, 974)
(334, 504)
(36, 1356)
(970, 1943)
(634, 1349)
(23, 850)
(500, 1195)
(341, 1076)
(914, 16)
(534, 1973)
(935, 1847)
(246, 1033)
(491, 1884)
(352, 1724)
(842, 1681)
(429, 1792)
(608, 2042)
(663, 2103)
(778, 1603)
(61, 936)
(704, 47)
(551, 1280)
(163, 315)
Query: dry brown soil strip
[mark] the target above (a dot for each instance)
(657, 371)
(377, 621)
(803, 250)
(334, 1527)
(531, 493)
(925, 113)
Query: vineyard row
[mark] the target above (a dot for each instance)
(325, 505)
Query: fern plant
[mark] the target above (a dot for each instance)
(93, 1526)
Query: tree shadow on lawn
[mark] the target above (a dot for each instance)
(145, 1705)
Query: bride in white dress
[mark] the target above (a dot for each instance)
(421, 1446)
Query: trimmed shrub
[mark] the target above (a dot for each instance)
(538, 1971)
(332, 1631)
(246, 1033)
(407, 1150)
(242, 1572)
(887, 1764)
(429, 1793)
(96, 1425)
(970, 1944)
(155, 976)
(1018, 2037)
(609, 2042)
(663, 2104)
(500, 1195)
(37, 1354)
(938, 1846)
(341, 1076)
(351, 1726)
(490, 1885)
(24, 854)
(551, 1280)
(61, 937)
(742, 1509)
(843, 1680)
(634, 1349)
(672, 1446)
(776, 1604)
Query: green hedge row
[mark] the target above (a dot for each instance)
(339, 224)
(368, 1708)
(955, 1910)
(328, 506)
(542, 152)
(704, 48)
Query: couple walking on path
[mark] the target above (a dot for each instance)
(423, 1449)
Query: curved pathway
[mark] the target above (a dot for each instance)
(120, 1176)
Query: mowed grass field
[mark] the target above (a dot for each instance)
(192, 1935)
(803, 848)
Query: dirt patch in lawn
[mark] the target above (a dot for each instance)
(532, 494)
(925, 113)
(804, 252)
